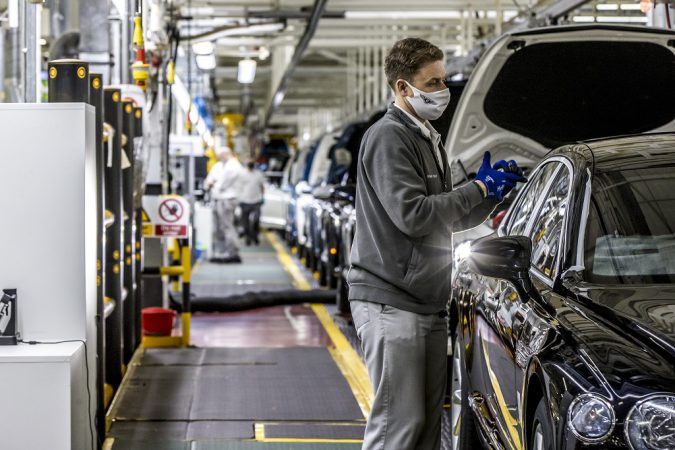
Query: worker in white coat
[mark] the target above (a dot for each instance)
(223, 183)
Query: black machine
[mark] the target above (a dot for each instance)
(9, 332)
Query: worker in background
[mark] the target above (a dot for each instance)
(406, 211)
(223, 183)
(250, 201)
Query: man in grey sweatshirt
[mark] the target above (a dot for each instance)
(406, 211)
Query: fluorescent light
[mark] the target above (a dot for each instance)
(402, 15)
(246, 73)
(630, 7)
(278, 98)
(583, 19)
(206, 62)
(621, 19)
(263, 53)
(607, 7)
(203, 48)
(13, 12)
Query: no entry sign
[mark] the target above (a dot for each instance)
(165, 216)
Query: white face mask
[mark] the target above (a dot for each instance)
(429, 105)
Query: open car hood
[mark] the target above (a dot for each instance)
(533, 91)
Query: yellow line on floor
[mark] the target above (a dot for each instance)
(114, 405)
(344, 355)
(299, 281)
(347, 360)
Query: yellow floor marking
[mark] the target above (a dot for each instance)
(334, 441)
(259, 432)
(260, 436)
(299, 281)
(511, 423)
(347, 360)
(114, 405)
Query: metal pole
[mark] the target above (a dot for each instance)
(95, 35)
(32, 26)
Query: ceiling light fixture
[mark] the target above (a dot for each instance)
(263, 53)
(206, 62)
(402, 15)
(203, 48)
(621, 19)
(246, 73)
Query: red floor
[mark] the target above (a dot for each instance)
(279, 326)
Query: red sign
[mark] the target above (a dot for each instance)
(170, 230)
(170, 210)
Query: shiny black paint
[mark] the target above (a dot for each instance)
(617, 342)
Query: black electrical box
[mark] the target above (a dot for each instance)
(8, 318)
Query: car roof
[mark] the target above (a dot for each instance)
(638, 151)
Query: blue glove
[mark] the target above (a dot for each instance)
(509, 166)
(498, 183)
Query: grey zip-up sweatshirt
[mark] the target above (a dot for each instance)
(406, 212)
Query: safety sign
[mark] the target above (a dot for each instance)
(165, 216)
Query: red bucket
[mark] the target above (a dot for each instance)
(157, 321)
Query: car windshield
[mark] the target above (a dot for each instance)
(630, 237)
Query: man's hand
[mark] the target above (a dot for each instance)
(498, 182)
(509, 166)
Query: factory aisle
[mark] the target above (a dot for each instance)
(280, 377)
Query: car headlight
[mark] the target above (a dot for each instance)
(591, 418)
(651, 424)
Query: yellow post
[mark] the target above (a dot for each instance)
(186, 259)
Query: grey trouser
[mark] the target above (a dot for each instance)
(406, 357)
(224, 233)
(250, 220)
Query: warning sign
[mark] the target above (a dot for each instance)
(165, 216)
(170, 210)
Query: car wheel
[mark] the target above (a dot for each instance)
(540, 436)
(463, 431)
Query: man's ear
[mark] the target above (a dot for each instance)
(402, 87)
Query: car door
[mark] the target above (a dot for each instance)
(528, 319)
(496, 307)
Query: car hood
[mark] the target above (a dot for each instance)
(649, 311)
(629, 332)
(536, 90)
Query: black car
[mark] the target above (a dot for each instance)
(563, 320)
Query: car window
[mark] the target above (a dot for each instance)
(548, 225)
(522, 211)
(630, 234)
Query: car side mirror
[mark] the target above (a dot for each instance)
(506, 258)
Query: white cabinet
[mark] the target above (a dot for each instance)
(48, 253)
(44, 397)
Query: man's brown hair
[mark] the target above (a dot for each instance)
(407, 56)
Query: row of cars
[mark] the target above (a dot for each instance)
(562, 310)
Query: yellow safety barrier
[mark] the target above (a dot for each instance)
(181, 253)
